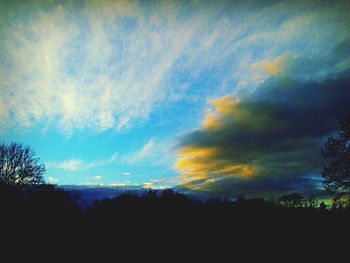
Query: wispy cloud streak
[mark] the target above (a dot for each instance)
(105, 65)
(77, 164)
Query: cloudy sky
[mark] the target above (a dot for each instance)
(219, 97)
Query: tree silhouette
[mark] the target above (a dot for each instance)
(323, 206)
(312, 202)
(19, 166)
(291, 200)
(336, 174)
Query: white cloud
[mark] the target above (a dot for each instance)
(72, 165)
(155, 152)
(102, 74)
(119, 184)
(162, 183)
(148, 185)
(52, 180)
(141, 154)
(98, 177)
(114, 157)
(80, 165)
(92, 184)
(108, 65)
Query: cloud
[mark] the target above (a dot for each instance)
(274, 67)
(98, 177)
(72, 165)
(306, 68)
(267, 139)
(154, 185)
(52, 180)
(107, 65)
(155, 152)
(118, 184)
(77, 164)
(196, 163)
(101, 68)
(104, 65)
(141, 154)
(263, 186)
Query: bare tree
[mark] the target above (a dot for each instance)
(19, 166)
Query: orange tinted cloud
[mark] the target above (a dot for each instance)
(196, 152)
(242, 170)
(275, 67)
(225, 105)
(194, 162)
(203, 164)
(211, 121)
(272, 67)
(220, 109)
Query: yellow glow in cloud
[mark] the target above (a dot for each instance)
(272, 67)
(194, 170)
(242, 170)
(201, 166)
(200, 163)
(69, 103)
(211, 121)
(223, 107)
(197, 152)
(193, 162)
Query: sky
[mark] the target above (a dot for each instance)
(215, 97)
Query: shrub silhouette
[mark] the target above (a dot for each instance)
(292, 200)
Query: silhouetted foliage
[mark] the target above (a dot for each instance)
(312, 202)
(323, 206)
(43, 216)
(292, 200)
(19, 166)
(166, 221)
(336, 174)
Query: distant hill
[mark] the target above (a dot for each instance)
(88, 194)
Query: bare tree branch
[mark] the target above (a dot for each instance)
(19, 166)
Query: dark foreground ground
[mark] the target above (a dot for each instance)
(47, 221)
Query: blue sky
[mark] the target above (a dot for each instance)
(115, 92)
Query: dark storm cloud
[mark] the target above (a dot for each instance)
(277, 131)
(261, 187)
(282, 115)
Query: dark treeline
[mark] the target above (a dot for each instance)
(48, 218)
